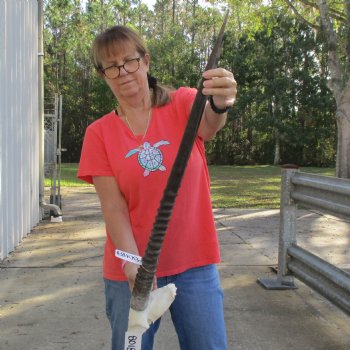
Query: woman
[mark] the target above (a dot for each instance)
(128, 155)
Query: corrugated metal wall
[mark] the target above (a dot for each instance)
(19, 122)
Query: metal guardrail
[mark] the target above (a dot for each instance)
(327, 279)
(327, 194)
(53, 149)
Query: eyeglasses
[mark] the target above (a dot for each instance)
(130, 66)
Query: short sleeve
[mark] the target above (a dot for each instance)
(93, 159)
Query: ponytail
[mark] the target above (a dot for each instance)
(160, 94)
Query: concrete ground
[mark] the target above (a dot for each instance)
(51, 291)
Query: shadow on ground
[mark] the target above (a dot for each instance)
(51, 289)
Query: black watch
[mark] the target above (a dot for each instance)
(217, 109)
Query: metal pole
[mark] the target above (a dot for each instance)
(288, 221)
(54, 152)
(59, 151)
(41, 104)
(287, 235)
(43, 205)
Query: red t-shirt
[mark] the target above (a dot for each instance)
(111, 149)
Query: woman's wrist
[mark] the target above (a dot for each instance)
(215, 108)
(126, 265)
(130, 272)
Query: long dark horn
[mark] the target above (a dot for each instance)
(145, 274)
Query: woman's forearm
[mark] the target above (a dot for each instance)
(115, 213)
(211, 123)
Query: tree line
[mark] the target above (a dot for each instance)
(285, 110)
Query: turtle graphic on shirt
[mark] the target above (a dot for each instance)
(149, 157)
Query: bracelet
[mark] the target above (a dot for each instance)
(217, 109)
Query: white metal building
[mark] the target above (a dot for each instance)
(19, 122)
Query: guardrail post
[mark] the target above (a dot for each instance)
(287, 234)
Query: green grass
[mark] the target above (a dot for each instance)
(250, 186)
(231, 186)
(69, 176)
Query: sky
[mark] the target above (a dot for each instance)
(150, 3)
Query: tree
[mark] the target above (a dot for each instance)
(283, 106)
(334, 17)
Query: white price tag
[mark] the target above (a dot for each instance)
(128, 257)
(133, 340)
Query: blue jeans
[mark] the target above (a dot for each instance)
(197, 311)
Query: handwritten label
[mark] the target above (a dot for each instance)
(128, 257)
(133, 341)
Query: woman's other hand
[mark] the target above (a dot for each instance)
(130, 272)
(221, 84)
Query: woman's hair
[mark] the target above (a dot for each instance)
(117, 39)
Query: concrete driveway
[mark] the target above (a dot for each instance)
(51, 290)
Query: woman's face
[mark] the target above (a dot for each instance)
(127, 86)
